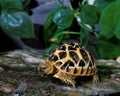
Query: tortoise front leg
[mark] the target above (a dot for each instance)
(69, 79)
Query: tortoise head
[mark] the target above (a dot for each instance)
(46, 67)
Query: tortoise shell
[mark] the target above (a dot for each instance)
(72, 58)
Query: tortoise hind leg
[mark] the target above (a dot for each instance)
(69, 79)
(95, 78)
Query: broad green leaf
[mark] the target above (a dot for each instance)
(83, 25)
(117, 30)
(107, 49)
(11, 4)
(109, 21)
(50, 29)
(89, 14)
(84, 38)
(64, 18)
(50, 48)
(14, 21)
(102, 4)
(17, 24)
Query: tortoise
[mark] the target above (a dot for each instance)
(68, 61)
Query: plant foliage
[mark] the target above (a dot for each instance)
(64, 22)
(14, 21)
(112, 15)
(61, 18)
(50, 29)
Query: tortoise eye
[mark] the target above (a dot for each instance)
(43, 68)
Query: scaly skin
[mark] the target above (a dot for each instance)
(95, 78)
(67, 78)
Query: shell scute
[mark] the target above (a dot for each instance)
(74, 56)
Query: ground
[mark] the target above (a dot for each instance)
(19, 77)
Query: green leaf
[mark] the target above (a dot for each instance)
(84, 38)
(11, 4)
(108, 49)
(83, 25)
(14, 21)
(64, 18)
(102, 4)
(109, 21)
(50, 29)
(17, 24)
(117, 30)
(50, 48)
(89, 14)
